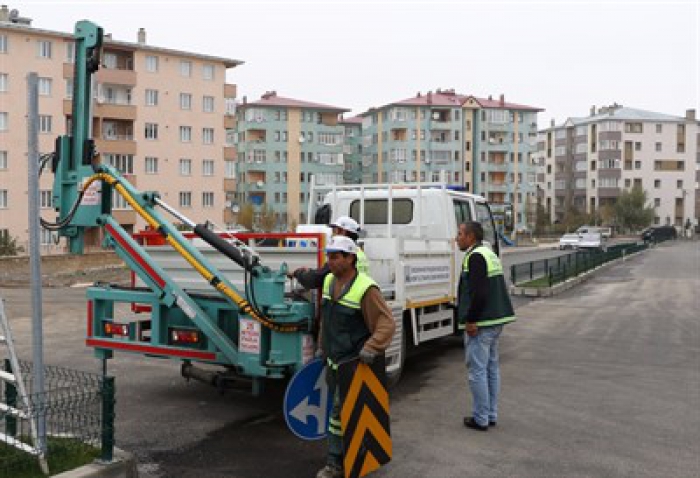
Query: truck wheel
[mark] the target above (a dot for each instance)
(393, 378)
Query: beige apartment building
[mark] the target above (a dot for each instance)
(589, 161)
(164, 118)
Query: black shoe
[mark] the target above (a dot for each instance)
(492, 424)
(470, 423)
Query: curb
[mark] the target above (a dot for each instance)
(123, 465)
(566, 285)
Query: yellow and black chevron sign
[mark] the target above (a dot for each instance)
(364, 417)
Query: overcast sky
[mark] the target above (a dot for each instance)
(563, 56)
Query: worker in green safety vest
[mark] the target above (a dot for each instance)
(355, 322)
(313, 278)
(483, 308)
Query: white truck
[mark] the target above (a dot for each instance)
(585, 237)
(408, 235)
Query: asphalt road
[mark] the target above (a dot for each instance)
(601, 381)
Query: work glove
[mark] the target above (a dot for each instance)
(366, 356)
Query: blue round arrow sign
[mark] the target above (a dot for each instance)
(308, 402)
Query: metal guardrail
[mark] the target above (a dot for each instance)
(559, 269)
(78, 410)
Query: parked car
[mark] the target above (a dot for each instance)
(659, 233)
(587, 239)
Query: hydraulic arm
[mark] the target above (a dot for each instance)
(83, 189)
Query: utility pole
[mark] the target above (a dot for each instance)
(35, 252)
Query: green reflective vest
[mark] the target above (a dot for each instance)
(343, 326)
(498, 309)
(362, 262)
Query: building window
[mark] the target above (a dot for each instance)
(657, 202)
(185, 199)
(43, 49)
(69, 88)
(207, 199)
(679, 184)
(208, 167)
(229, 169)
(151, 97)
(4, 121)
(45, 199)
(124, 163)
(208, 72)
(4, 78)
(45, 86)
(659, 127)
(3, 43)
(637, 145)
(185, 167)
(151, 165)
(208, 104)
(657, 183)
(70, 52)
(208, 135)
(185, 101)
(185, 134)
(45, 123)
(628, 182)
(186, 68)
(152, 63)
(3, 160)
(658, 146)
(48, 238)
(151, 131)
(3, 199)
(637, 165)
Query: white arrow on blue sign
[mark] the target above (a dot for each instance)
(308, 402)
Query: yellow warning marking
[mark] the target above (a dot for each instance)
(367, 422)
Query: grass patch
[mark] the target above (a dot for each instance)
(537, 283)
(64, 454)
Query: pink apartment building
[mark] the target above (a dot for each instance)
(164, 118)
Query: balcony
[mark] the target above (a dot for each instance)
(500, 167)
(501, 187)
(117, 76)
(229, 184)
(229, 153)
(117, 145)
(229, 122)
(230, 90)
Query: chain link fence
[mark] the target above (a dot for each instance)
(77, 411)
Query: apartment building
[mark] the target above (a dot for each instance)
(281, 143)
(163, 117)
(589, 161)
(482, 144)
(352, 150)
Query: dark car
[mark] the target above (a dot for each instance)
(659, 233)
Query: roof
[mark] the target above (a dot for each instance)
(272, 99)
(353, 120)
(228, 62)
(491, 103)
(620, 113)
(450, 99)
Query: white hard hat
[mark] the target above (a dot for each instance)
(347, 224)
(342, 244)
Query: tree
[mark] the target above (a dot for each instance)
(268, 218)
(631, 211)
(8, 245)
(246, 216)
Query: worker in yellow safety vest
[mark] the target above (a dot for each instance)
(313, 278)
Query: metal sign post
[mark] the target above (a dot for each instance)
(35, 251)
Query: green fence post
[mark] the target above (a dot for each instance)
(11, 401)
(107, 419)
(531, 269)
(512, 274)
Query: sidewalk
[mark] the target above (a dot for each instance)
(545, 246)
